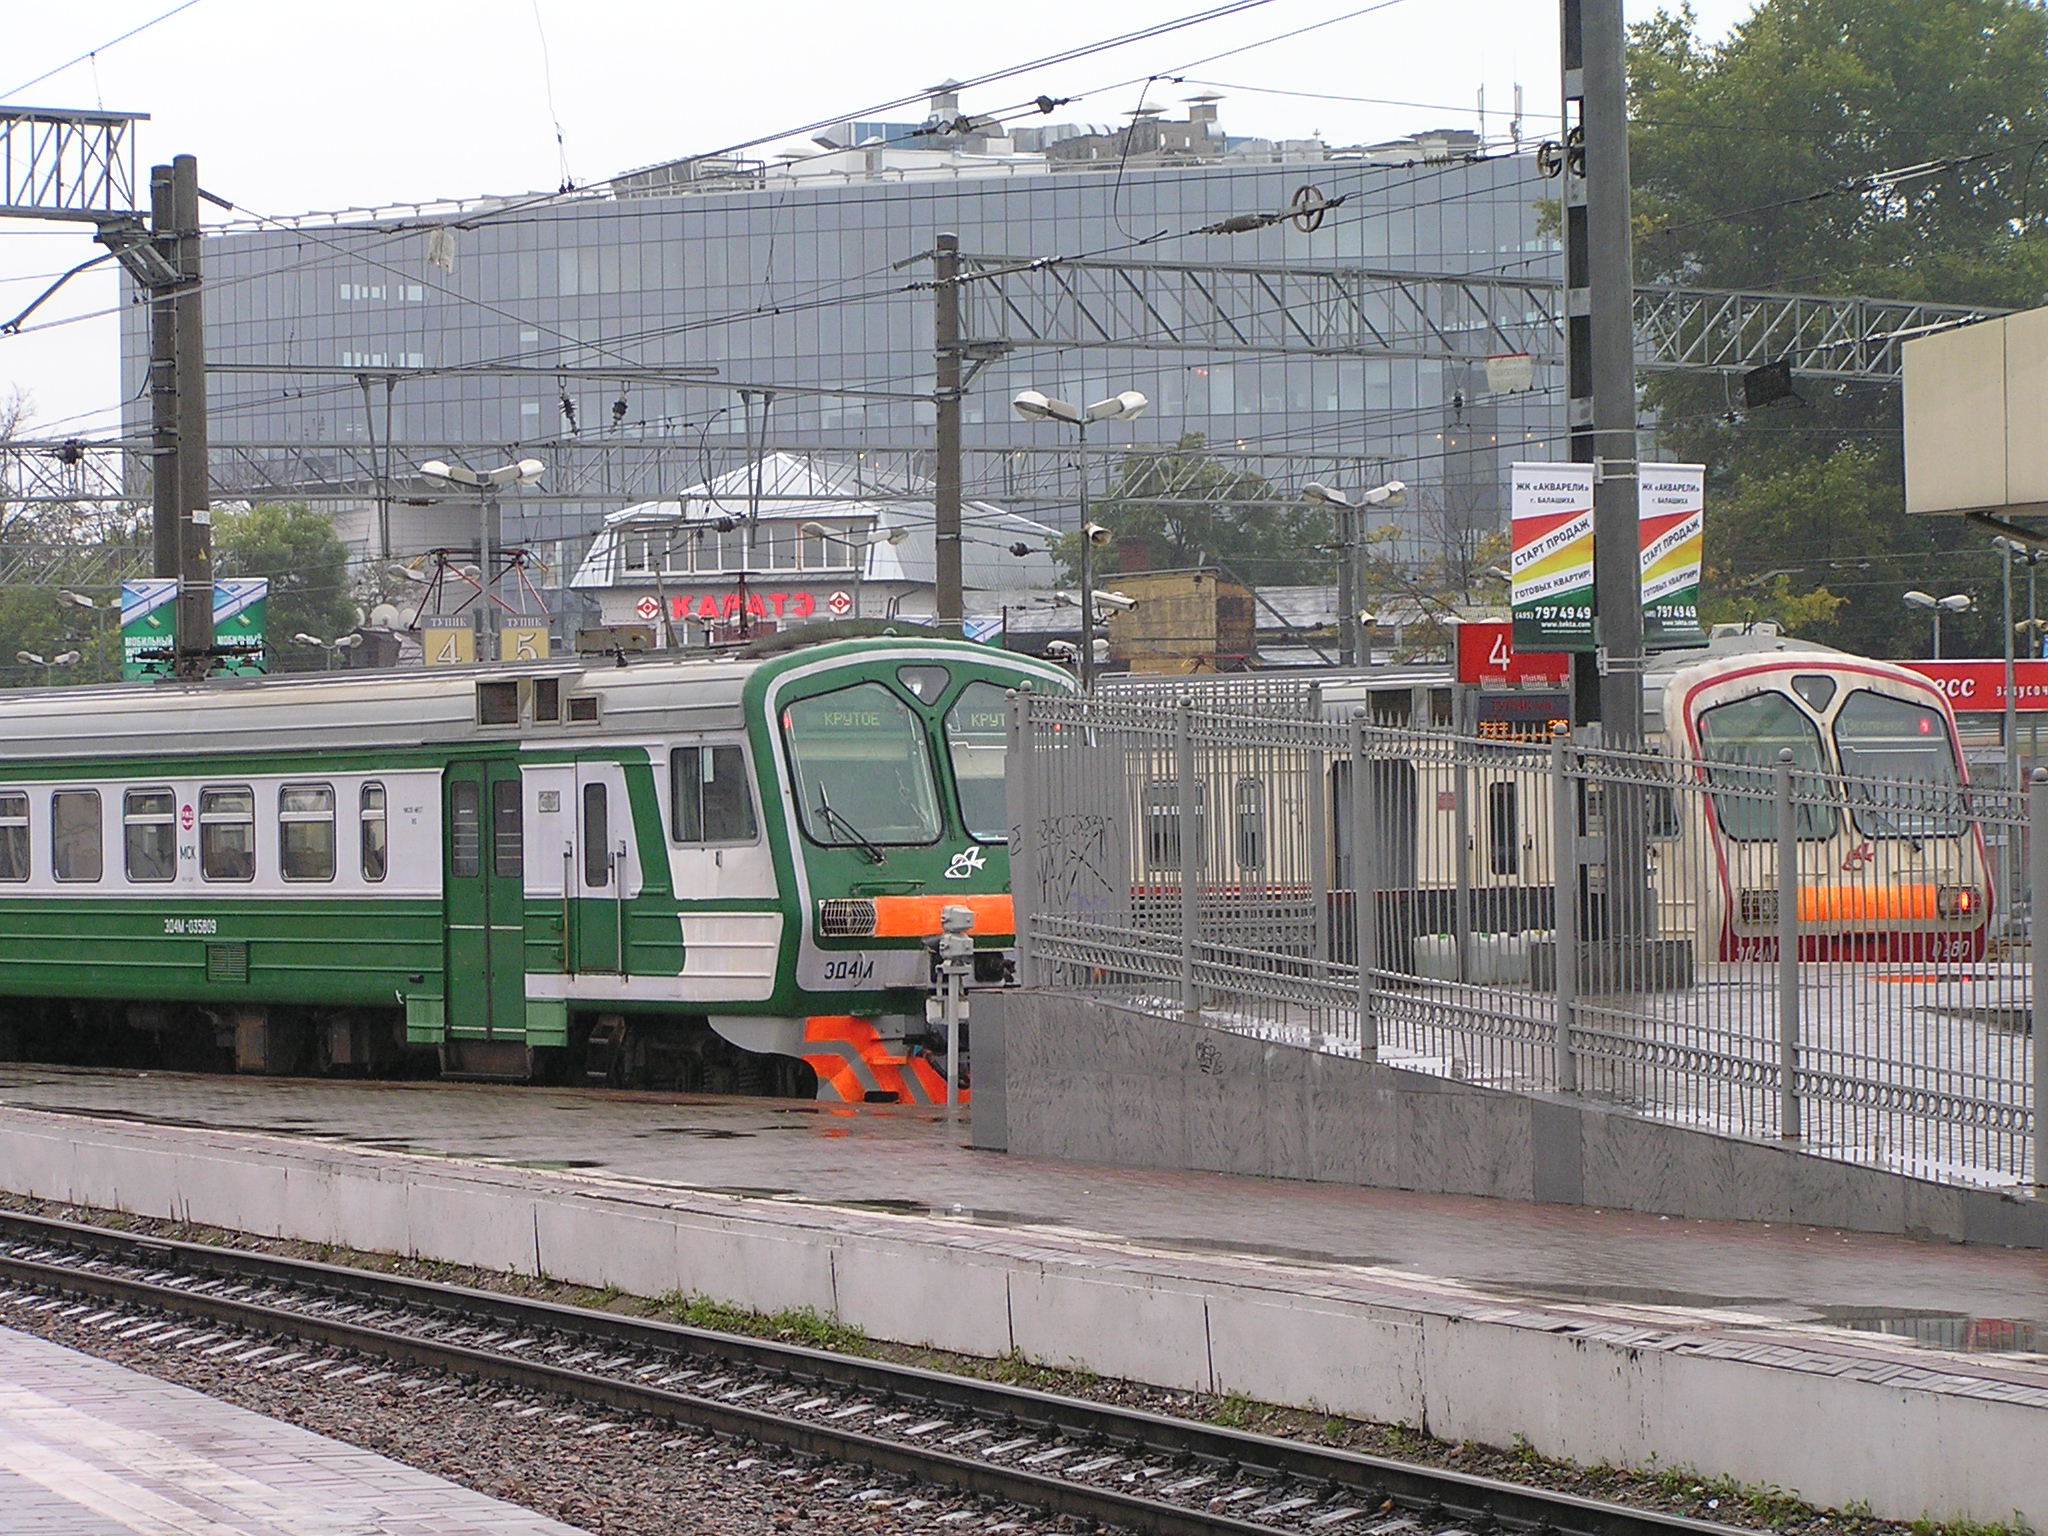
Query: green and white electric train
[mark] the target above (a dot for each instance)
(714, 872)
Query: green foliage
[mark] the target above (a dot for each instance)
(1759, 164)
(1181, 508)
(795, 1325)
(296, 547)
(1234, 1410)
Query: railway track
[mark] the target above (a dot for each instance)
(1111, 1465)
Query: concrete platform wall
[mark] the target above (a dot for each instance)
(1062, 1076)
(1624, 1396)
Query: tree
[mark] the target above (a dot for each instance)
(296, 547)
(1181, 508)
(45, 548)
(1887, 147)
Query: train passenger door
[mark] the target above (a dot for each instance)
(484, 901)
(602, 869)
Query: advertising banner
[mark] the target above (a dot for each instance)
(1551, 508)
(1979, 686)
(149, 625)
(149, 615)
(1671, 517)
(240, 610)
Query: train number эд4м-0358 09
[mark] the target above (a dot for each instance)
(189, 925)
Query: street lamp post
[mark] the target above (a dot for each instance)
(1034, 405)
(1955, 602)
(48, 663)
(487, 484)
(859, 545)
(1348, 531)
(333, 647)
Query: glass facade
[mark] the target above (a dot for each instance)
(807, 285)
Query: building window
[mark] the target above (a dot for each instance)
(227, 833)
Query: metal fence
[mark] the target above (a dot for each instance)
(1750, 944)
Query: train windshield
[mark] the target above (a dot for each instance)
(863, 775)
(1903, 778)
(1747, 735)
(976, 735)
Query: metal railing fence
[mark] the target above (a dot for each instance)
(1752, 944)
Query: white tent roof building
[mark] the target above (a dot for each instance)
(829, 536)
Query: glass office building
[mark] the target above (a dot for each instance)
(803, 280)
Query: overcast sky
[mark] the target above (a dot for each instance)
(299, 107)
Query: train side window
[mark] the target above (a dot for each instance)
(305, 831)
(75, 834)
(14, 835)
(227, 833)
(376, 834)
(1503, 829)
(149, 835)
(508, 829)
(712, 800)
(465, 830)
(977, 737)
(1251, 824)
(1162, 824)
(597, 837)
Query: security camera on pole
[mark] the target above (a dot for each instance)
(1034, 405)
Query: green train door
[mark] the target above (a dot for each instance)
(484, 865)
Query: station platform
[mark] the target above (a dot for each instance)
(1852, 1368)
(88, 1448)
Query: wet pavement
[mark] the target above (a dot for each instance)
(912, 1166)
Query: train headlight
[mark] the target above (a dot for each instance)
(1954, 901)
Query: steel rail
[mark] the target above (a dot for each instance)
(1412, 1487)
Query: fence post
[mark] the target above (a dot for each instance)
(1788, 950)
(1311, 779)
(1191, 815)
(1461, 916)
(1565, 934)
(1365, 927)
(1021, 771)
(2037, 898)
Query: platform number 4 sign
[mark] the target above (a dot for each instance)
(448, 647)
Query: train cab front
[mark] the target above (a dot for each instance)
(900, 831)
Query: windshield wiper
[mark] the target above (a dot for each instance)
(867, 845)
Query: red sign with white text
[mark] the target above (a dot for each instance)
(1980, 685)
(1486, 652)
(726, 605)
